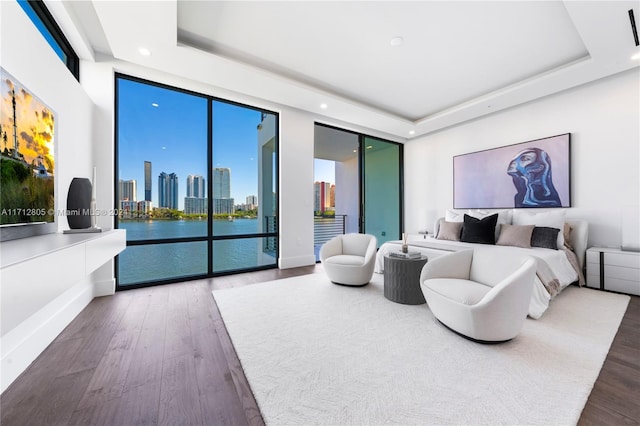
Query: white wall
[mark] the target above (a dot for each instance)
(348, 192)
(98, 82)
(26, 55)
(296, 189)
(603, 118)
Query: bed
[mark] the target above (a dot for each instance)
(556, 269)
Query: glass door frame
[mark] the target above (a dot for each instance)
(362, 171)
(210, 237)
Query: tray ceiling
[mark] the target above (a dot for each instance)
(457, 60)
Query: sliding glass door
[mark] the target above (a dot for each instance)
(381, 188)
(196, 184)
(161, 142)
(244, 171)
(366, 195)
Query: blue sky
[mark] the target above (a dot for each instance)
(324, 171)
(43, 29)
(173, 136)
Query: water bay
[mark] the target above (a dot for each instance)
(140, 264)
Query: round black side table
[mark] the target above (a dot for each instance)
(402, 279)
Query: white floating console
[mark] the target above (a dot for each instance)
(45, 283)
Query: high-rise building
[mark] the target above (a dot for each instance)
(195, 202)
(147, 181)
(162, 191)
(222, 182)
(332, 196)
(127, 190)
(251, 202)
(222, 201)
(144, 207)
(195, 186)
(322, 196)
(128, 208)
(195, 205)
(223, 206)
(168, 190)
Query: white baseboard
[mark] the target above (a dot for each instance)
(22, 345)
(294, 262)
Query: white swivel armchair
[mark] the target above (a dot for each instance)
(479, 294)
(349, 259)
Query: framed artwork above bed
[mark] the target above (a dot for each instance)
(530, 174)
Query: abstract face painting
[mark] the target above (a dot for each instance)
(532, 174)
(530, 170)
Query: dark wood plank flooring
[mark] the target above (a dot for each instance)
(161, 355)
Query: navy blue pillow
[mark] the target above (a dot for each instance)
(545, 237)
(482, 231)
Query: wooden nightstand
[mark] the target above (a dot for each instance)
(614, 270)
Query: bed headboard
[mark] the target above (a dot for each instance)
(578, 239)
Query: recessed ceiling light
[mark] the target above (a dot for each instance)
(144, 51)
(635, 56)
(154, 105)
(412, 132)
(355, 150)
(396, 41)
(324, 106)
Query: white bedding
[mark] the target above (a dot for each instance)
(555, 259)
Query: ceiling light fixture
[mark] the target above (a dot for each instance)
(155, 105)
(412, 132)
(144, 51)
(324, 106)
(635, 56)
(396, 41)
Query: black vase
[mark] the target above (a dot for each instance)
(79, 204)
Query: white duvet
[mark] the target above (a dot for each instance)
(555, 259)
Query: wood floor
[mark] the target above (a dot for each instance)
(161, 355)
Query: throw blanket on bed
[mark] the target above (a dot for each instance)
(545, 274)
(573, 260)
(548, 280)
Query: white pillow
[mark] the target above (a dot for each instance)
(453, 216)
(551, 219)
(504, 217)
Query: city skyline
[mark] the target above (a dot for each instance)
(195, 188)
(168, 129)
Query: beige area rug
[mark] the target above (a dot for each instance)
(317, 353)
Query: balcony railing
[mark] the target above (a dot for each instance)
(270, 244)
(325, 228)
